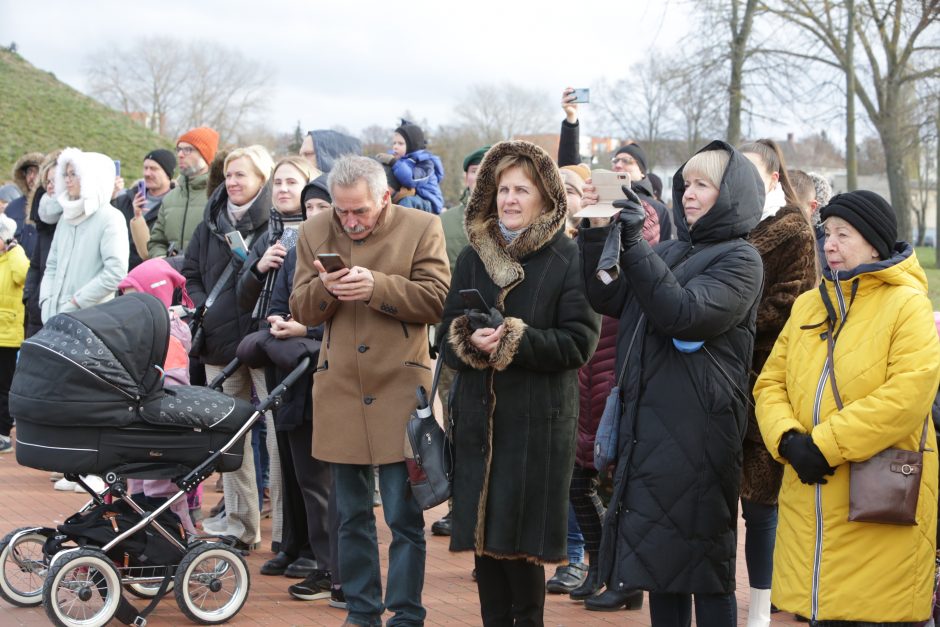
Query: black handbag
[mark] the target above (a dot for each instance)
(428, 451)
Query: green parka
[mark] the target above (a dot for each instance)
(181, 213)
(515, 411)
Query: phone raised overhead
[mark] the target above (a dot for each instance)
(331, 262)
(582, 95)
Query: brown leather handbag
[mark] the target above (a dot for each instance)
(884, 488)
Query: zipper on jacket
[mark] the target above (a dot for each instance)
(817, 549)
(185, 213)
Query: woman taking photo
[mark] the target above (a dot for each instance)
(515, 450)
(885, 367)
(687, 311)
(787, 247)
(242, 204)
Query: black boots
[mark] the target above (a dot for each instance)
(590, 586)
(613, 600)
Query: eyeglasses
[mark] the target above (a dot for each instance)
(71, 175)
(623, 161)
(186, 150)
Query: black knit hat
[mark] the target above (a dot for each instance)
(165, 159)
(316, 189)
(414, 136)
(870, 214)
(636, 152)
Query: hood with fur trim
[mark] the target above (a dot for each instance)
(96, 172)
(481, 220)
(29, 160)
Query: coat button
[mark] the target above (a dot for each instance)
(368, 400)
(363, 348)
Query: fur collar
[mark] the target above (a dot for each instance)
(29, 160)
(502, 260)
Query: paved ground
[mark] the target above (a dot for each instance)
(27, 498)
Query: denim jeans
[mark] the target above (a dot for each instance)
(359, 551)
(760, 522)
(575, 539)
(675, 610)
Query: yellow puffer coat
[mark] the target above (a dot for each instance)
(13, 267)
(887, 365)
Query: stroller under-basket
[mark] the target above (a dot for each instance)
(88, 399)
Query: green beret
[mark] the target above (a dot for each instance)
(474, 158)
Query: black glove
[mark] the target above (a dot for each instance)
(805, 457)
(631, 218)
(484, 320)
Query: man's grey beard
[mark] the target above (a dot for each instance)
(190, 171)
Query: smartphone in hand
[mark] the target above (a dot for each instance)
(237, 244)
(581, 95)
(331, 262)
(142, 188)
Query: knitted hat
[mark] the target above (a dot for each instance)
(580, 169)
(165, 159)
(316, 189)
(157, 278)
(414, 136)
(870, 214)
(203, 139)
(636, 152)
(570, 178)
(657, 184)
(474, 158)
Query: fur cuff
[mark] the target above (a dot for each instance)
(459, 338)
(509, 344)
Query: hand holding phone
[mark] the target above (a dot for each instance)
(331, 262)
(582, 95)
(142, 188)
(237, 244)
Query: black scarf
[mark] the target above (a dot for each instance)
(276, 226)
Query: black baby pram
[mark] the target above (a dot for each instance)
(88, 398)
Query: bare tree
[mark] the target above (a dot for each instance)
(181, 85)
(741, 24)
(506, 110)
(899, 41)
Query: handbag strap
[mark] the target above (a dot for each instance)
(437, 373)
(220, 284)
(830, 361)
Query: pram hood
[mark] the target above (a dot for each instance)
(96, 366)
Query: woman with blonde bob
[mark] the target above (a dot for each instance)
(872, 314)
(242, 205)
(687, 316)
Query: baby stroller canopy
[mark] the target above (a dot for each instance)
(96, 366)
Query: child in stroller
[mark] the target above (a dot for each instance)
(109, 414)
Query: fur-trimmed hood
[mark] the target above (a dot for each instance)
(481, 220)
(29, 160)
(96, 172)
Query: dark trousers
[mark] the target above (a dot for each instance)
(588, 508)
(512, 592)
(311, 492)
(333, 519)
(675, 610)
(760, 523)
(7, 368)
(294, 540)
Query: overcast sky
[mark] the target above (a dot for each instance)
(359, 63)
(365, 62)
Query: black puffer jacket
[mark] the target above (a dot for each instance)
(515, 411)
(672, 523)
(37, 264)
(206, 258)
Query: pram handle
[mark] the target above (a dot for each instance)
(206, 468)
(227, 371)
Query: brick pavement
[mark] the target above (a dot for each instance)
(27, 498)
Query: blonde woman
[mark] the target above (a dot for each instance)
(240, 206)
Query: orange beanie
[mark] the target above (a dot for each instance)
(203, 139)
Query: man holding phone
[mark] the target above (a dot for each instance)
(387, 286)
(141, 203)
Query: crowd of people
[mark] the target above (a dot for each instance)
(708, 329)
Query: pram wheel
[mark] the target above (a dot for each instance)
(82, 589)
(212, 583)
(23, 567)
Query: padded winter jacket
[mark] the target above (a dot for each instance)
(13, 267)
(182, 210)
(595, 379)
(672, 521)
(207, 256)
(424, 172)
(887, 367)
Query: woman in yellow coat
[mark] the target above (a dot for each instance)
(887, 367)
(13, 267)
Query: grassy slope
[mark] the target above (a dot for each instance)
(40, 113)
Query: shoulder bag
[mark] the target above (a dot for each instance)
(882, 489)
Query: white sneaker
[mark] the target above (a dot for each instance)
(6, 444)
(64, 485)
(92, 481)
(219, 526)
